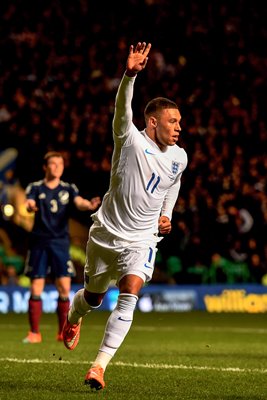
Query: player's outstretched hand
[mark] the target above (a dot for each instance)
(95, 202)
(31, 206)
(137, 58)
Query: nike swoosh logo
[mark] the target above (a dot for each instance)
(124, 320)
(147, 266)
(147, 151)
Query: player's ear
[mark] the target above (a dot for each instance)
(153, 122)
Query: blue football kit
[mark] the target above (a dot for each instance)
(49, 239)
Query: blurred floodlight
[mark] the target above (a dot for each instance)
(8, 210)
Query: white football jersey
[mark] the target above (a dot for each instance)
(144, 182)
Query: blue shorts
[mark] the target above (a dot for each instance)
(50, 259)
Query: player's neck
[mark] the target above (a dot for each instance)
(152, 136)
(51, 182)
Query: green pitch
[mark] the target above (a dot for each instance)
(185, 356)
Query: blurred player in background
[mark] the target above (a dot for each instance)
(51, 200)
(144, 186)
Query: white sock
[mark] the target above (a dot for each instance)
(117, 326)
(79, 307)
(102, 359)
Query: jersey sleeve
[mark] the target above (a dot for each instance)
(123, 115)
(173, 193)
(74, 191)
(170, 199)
(30, 191)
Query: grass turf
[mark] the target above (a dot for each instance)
(188, 356)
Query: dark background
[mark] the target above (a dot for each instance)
(60, 65)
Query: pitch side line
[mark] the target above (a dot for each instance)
(259, 331)
(136, 365)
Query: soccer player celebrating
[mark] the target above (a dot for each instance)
(51, 200)
(144, 186)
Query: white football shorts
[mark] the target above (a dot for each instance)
(110, 258)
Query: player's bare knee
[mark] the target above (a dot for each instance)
(131, 284)
(93, 299)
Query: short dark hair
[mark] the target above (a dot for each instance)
(158, 104)
(50, 154)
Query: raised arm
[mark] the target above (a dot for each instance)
(136, 62)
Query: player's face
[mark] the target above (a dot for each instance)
(54, 167)
(168, 127)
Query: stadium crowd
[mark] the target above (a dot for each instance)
(57, 86)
